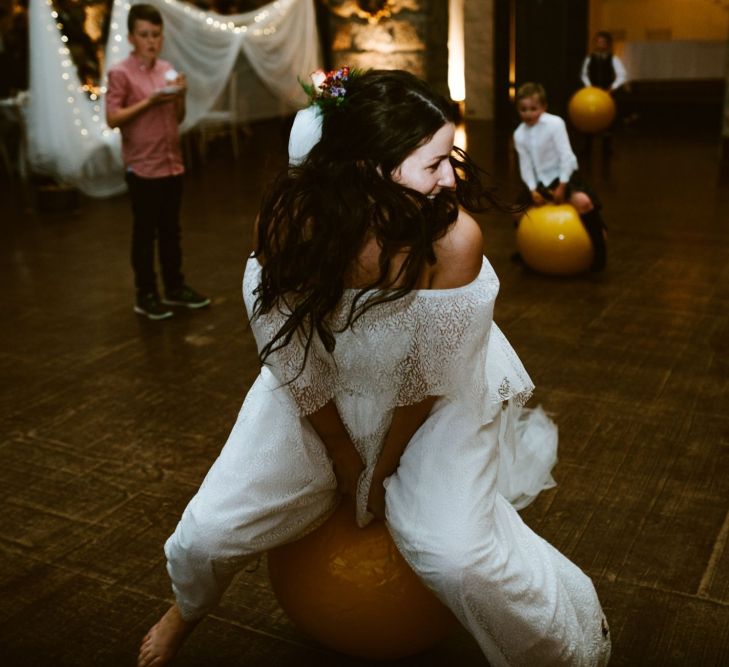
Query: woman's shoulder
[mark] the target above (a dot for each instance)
(459, 254)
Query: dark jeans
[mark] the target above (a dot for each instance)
(156, 213)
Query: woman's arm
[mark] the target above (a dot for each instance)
(348, 465)
(406, 420)
(459, 257)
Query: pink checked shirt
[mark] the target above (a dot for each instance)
(151, 141)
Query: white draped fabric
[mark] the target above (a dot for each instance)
(677, 59)
(67, 134)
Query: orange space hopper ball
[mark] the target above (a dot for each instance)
(350, 589)
(552, 239)
(591, 110)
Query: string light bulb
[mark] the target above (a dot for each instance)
(81, 95)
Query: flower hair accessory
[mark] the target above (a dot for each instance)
(328, 89)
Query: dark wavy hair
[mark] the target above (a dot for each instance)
(316, 217)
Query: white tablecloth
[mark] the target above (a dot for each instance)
(678, 59)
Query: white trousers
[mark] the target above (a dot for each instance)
(523, 601)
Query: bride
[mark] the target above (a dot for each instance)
(385, 379)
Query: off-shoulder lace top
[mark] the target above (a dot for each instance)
(437, 342)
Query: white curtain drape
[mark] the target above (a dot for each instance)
(677, 59)
(67, 134)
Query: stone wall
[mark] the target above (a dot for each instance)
(409, 34)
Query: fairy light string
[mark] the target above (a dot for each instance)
(80, 95)
(265, 22)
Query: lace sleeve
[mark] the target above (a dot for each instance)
(446, 331)
(457, 350)
(507, 379)
(428, 343)
(312, 384)
(444, 340)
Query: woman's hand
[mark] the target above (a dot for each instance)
(346, 461)
(406, 420)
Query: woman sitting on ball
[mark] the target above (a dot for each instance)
(549, 167)
(385, 379)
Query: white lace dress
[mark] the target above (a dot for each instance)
(450, 505)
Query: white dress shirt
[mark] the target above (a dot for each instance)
(544, 151)
(620, 74)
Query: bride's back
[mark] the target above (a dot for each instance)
(458, 255)
(365, 270)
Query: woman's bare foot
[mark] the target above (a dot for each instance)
(164, 639)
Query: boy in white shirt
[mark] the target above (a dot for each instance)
(548, 166)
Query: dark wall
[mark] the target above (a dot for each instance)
(551, 40)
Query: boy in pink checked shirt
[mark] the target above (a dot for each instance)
(146, 100)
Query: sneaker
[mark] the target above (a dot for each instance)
(186, 296)
(148, 304)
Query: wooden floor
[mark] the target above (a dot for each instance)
(109, 422)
